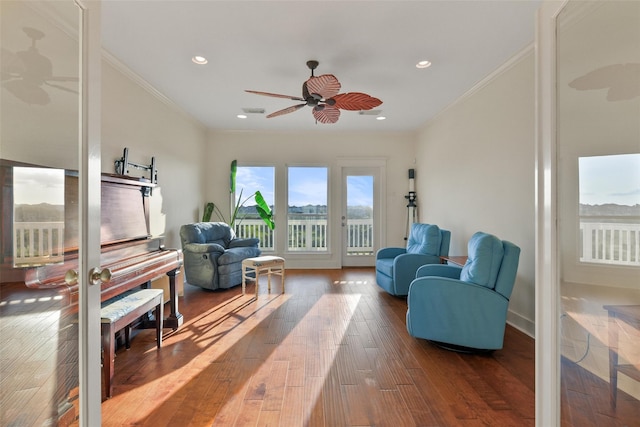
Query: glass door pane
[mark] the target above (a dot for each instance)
(359, 217)
(598, 149)
(39, 146)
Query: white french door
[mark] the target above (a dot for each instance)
(49, 138)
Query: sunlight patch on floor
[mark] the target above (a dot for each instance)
(334, 311)
(247, 313)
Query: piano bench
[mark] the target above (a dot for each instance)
(118, 313)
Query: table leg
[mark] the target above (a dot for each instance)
(175, 319)
(244, 281)
(613, 359)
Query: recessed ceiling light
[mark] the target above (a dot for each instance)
(241, 116)
(380, 118)
(423, 64)
(200, 60)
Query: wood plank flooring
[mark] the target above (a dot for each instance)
(332, 351)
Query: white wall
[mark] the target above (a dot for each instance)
(475, 164)
(136, 117)
(133, 116)
(326, 149)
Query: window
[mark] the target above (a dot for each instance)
(307, 228)
(610, 209)
(250, 179)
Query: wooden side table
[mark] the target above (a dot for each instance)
(629, 314)
(263, 264)
(458, 260)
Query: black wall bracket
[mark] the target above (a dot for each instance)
(122, 167)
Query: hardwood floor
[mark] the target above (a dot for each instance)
(332, 351)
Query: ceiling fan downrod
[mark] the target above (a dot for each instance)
(312, 64)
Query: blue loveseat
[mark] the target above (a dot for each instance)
(213, 254)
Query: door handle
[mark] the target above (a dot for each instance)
(71, 277)
(97, 276)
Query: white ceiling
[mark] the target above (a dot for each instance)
(370, 46)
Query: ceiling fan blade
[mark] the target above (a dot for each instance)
(356, 101)
(286, 110)
(326, 85)
(61, 87)
(12, 65)
(276, 95)
(63, 79)
(29, 93)
(326, 115)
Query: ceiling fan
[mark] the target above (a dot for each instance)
(321, 93)
(24, 73)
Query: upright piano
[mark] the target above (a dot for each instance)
(39, 299)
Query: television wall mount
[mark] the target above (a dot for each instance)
(123, 165)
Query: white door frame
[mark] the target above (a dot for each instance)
(546, 253)
(90, 391)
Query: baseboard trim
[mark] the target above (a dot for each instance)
(521, 323)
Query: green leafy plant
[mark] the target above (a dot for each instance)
(234, 219)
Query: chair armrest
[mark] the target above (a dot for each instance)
(203, 248)
(440, 270)
(242, 242)
(404, 269)
(464, 292)
(411, 262)
(390, 252)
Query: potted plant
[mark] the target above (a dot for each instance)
(261, 205)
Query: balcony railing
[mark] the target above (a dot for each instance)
(610, 243)
(311, 235)
(38, 243)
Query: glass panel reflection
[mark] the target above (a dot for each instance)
(598, 149)
(39, 125)
(38, 216)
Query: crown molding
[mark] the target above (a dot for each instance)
(506, 66)
(144, 84)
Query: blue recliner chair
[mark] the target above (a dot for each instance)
(465, 308)
(213, 254)
(396, 267)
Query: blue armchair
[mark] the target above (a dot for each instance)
(396, 267)
(213, 254)
(465, 308)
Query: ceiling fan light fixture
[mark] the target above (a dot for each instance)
(200, 60)
(381, 118)
(322, 94)
(423, 64)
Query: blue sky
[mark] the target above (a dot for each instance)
(360, 190)
(603, 179)
(38, 185)
(255, 178)
(610, 179)
(307, 185)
